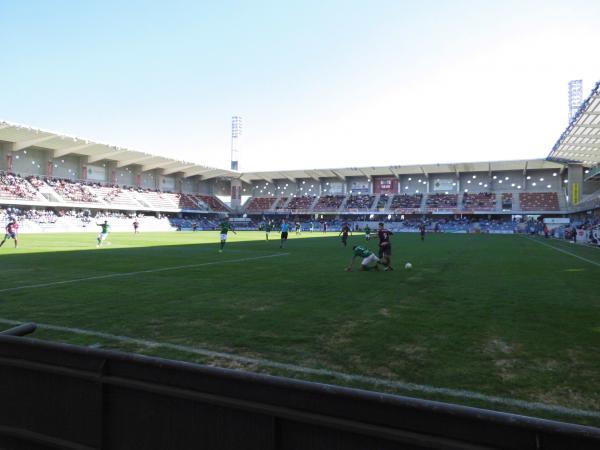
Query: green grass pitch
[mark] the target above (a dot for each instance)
(502, 322)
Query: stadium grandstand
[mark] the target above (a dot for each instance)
(50, 173)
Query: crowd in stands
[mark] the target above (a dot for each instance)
(359, 201)
(261, 203)
(212, 202)
(73, 191)
(480, 201)
(13, 186)
(303, 202)
(539, 201)
(441, 201)
(406, 201)
(329, 203)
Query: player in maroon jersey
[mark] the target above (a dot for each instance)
(12, 230)
(422, 230)
(385, 246)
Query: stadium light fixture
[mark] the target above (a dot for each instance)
(534, 184)
(409, 179)
(417, 191)
(446, 192)
(474, 176)
(466, 190)
(468, 181)
(506, 178)
(480, 183)
(529, 177)
(549, 186)
(587, 171)
(512, 184)
(419, 180)
(500, 181)
(518, 187)
(554, 174)
(304, 182)
(485, 185)
(405, 187)
(541, 179)
(494, 177)
(566, 181)
(453, 184)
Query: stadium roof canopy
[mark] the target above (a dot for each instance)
(419, 169)
(21, 137)
(580, 142)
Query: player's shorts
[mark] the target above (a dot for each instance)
(102, 236)
(284, 235)
(10, 236)
(385, 251)
(223, 237)
(370, 260)
(368, 236)
(344, 238)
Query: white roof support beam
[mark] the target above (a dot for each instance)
(20, 145)
(490, 170)
(457, 172)
(288, 177)
(338, 175)
(215, 174)
(424, 172)
(180, 168)
(107, 155)
(394, 173)
(314, 176)
(155, 165)
(72, 149)
(525, 169)
(364, 174)
(200, 171)
(128, 162)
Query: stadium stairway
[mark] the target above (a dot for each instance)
(499, 202)
(343, 204)
(388, 205)
(274, 206)
(423, 205)
(516, 202)
(314, 203)
(459, 201)
(375, 200)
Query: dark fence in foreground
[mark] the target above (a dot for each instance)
(57, 396)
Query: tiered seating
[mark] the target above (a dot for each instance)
(360, 201)
(159, 200)
(539, 201)
(329, 203)
(261, 203)
(383, 199)
(15, 187)
(483, 201)
(73, 191)
(301, 202)
(405, 201)
(507, 200)
(212, 202)
(115, 196)
(441, 201)
(186, 201)
(282, 202)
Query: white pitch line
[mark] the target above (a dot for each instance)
(595, 263)
(139, 272)
(458, 393)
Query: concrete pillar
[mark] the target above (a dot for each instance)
(575, 185)
(236, 194)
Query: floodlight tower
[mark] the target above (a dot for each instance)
(236, 136)
(575, 97)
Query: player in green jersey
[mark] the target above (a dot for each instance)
(268, 229)
(225, 228)
(103, 234)
(369, 259)
(367, 233)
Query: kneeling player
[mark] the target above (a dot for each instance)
(370, 260)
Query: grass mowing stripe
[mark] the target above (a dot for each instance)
(139, 272)
(565, 252)
(458, 393)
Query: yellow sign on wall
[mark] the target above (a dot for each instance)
(575, 193)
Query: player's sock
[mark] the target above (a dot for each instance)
(222, 244)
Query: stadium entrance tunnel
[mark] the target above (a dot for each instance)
(64, 396)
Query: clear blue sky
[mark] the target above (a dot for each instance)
(318, 83)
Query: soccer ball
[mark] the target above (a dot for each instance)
(408, 266)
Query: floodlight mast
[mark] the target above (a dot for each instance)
(236, 136)
(575, 97)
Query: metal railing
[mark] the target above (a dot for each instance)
(54, 395)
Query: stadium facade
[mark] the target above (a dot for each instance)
(51, 170)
